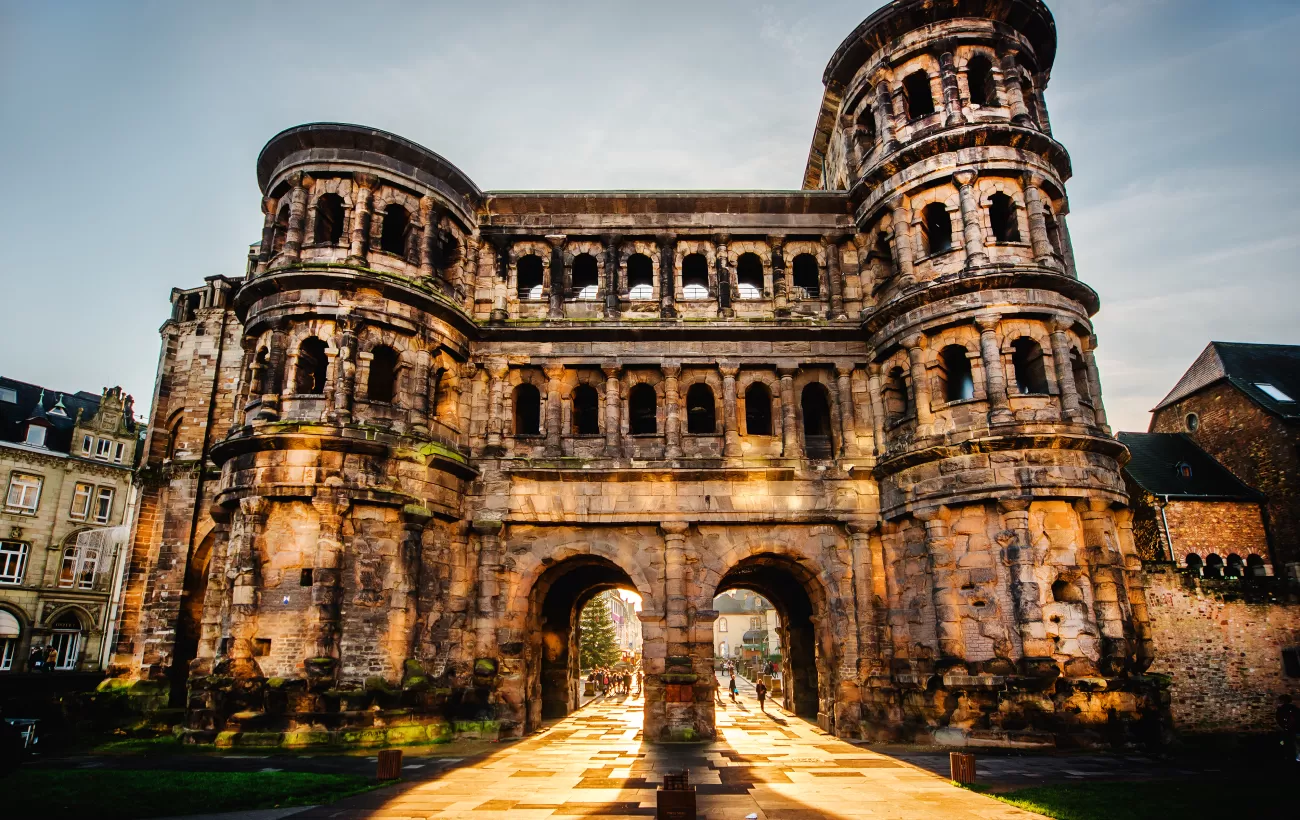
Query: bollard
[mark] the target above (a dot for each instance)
(963, 767)
(390, 764)
(675, 800)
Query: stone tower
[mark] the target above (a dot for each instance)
(460, 415)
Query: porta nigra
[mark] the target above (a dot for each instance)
(389, 464)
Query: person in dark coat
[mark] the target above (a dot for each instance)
(761, 691)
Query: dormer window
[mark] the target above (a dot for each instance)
(1184, 469)
(9, 394)
(35, 435)
(1272, 392)
(58, 409)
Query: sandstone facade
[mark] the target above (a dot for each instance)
(444, 418)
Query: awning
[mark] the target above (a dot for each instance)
(9, 627)
(755, 636)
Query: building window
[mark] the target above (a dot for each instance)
(103, 448)
(749, 276)
(8, 394)
(695, 277)
(80, 502)
(528, 275)
(24, 493)
(1002, 218)
(381, 384)
(1213, 566)
(1255, 566)
(13, 561)
(958, 383)
(35, 435)
(640, 277)
(807, 276)
(586, 277)
(701, 412)
(280, 229)
(586, 411)
(1192, 422)
(103, 505)
(979, 79)
(309, 374)
(815, 404)
(722, 627)
(642, 411)
(528, 410)
(329, 219)
(66, 641)
(758, 410)
(80, 563)
(920, 99)
(395, 231)
(754, 623)
(898, 404)
(1272, 392)
(87, 444)
(936, 227)
(1183, 469)
(1291, 662)
(119, 450)
(10, 632)
(1194, 563)
(1027, 361)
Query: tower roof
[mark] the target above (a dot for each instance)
(1268, 375)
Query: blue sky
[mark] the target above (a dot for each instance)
(131, 131)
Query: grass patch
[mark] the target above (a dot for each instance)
(121, 795)
(1183, 799)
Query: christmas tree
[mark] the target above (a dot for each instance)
(599, 644)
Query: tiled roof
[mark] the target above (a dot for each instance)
(14, 415)
(1246, 367)
(1155, 467)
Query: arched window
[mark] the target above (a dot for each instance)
(749, 276)
(758, 410)
(816, 406)
(920, 99)
(528, 410)
(640, 277)
(1213, 566)
(807, 278)
(1255, 566)
(586, 276)
(329, 220)
(309, 373)
(642, 410)
(66, 640)
(979, 79)
(864, 130)
(1079, 370)
(701, 413)
(898, 405)
(1027, 361)
(395, 230)
(10, 631)
(1002, 218)
(1053, 231)
(695, 276)
(957, 380)
(586, 411)
(381, 386)
(1194, 563)
(1031, 100)
(1233, 568)
(936, 226)
(280, 229)
(529, 276)
(174, 436)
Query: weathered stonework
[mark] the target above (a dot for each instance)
(458, 415)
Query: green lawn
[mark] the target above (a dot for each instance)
(1208, 799)
(121, 795)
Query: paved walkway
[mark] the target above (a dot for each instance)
(772, 766)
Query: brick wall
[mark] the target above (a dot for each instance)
(1224, 654)
(1220, 527)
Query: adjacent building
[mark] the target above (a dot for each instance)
(67, 463)
(746, 621)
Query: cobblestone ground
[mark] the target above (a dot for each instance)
(593, 763)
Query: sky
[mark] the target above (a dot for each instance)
(131, 131)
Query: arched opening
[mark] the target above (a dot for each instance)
(864, 130)
(329, 220)
(1195, 564)
(1002, 218)
(395, 231)
(309, 371)
(758, 410)
(1064, 591)
(695, 276)
(1213, 566)
(936, 227)
(979, 79)
(749, 276)
(701, 412)
(11, 631)
(1233, 568)
(640, 277)
(797, 596)
(66, 639)
(642, 411)
(807, 277)
(586, 411)
(553, 656)
(381, 385)
(920, 99)
(529, 276)
(816, 405)
(898, 405)
(280, 229)
(958, 383)
(1255, 566)
(527, 402)
(1027, 362)
(189, 624)
(1053, 231)
(586, 276)
(1079, 370)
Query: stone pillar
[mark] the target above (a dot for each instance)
(1026, 598)
(611, 275)
(724, 275)
(243, 571)
(613, 403)
(362, 193)
(675, 586)
(667, 276)
(269, 207)
(297, 216)
(554, 414)
(902, 242)
(1064, 372)
(679, 676)
(995, 377)
(558, 278)
(1015, 94)
(780, 285)
(1035, 209)
(497, 370)
(951, 93)
(864, 597)
(848, 422)
(418, 418)
(883, 106)
(428, 239)
(345, 369)
(835, 278)
(877, 408)
(791, 446)
(731, 432)
(1040, 82)
(1067, 246)
(672, 412)
(1094, 382)
(489, 588)
(971, 229)
(326, 591)
(274, 379)
(947, 595)
(920, 383)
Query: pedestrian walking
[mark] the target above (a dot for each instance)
(731, 687)
(36, 660)
(761, 691)
(1288, 720)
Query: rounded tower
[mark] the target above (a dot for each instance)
(1005, 532)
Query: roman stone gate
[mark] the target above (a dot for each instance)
(389, 463)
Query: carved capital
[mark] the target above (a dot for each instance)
(1010, 505)
(497, 368)
(366, 181)
(670, 371)
(862, 526)
(554, 372)
(965, 177)
(987, 322)
(674, 530)
(611, 370)
(487, 526)
(728, 370)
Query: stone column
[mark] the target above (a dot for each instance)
(920, 383)
(1094, 382)
(902, 242)
(1035, 209)
(723, 274)
(362, 193)
(835, 278)
(864, 597)
(345, 371)
(613, 402)
(269, 208)
(611, 275)
(947, 596)
(971, 229)
(419, 414)
(489, 587)
(297, 216)
(554, 414)
(995, 377)
(675, 586)
(672, 412)
(848, 423)
(497, 370)
(780, 287)
(1025, 591)
(243, 572)
(951, 93)
(428, 239)
(667, 276)
(326, 590)
(1064, 372)
(791, 446)
(730, 428)
(558, 278)
(273, 382)
(883, 106)
(1015, 94)
(1067, 247)
(877, 408)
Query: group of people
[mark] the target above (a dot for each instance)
(43, 658)
(760, 689)
(610, 680)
